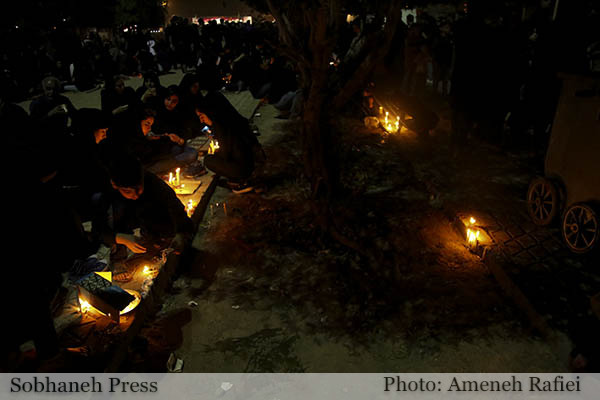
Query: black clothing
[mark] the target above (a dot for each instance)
(129, 138)
(168, 122)
(158, 212)
(111, 100)
(235, 157)
(153, 102)
(17, 129)
(56, 125)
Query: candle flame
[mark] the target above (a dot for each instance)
(146, 270)
(190, 208)
(214, 145)
(84, 306)
(472, 221)
(472, 236)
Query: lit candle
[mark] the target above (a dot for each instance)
(397, 124)
(190, 208)
(213, 147)
(84, 306)
(380, 110)
(177, 179)
(170, 178)
(386, 117)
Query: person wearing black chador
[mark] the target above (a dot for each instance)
(46, 237)
(157, 152)
(140, 199)
(116, 98)
(237, 145)
(83, 172)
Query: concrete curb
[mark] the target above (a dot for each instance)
(149, 305)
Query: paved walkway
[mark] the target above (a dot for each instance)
(493, 185)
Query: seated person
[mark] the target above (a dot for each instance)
(52, 111)
(189, 96)
(158, 153)
(169, 117)
(150, 91)
(234, 159)
(217, 102)
(117, 98)
(140, 199)
(48, 237)
(83, 172)
(189, 92)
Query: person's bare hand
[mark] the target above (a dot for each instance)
(178, 243)
(130, 242)
(176, 139)
(148, 94)
(59, 109)
(120, 109)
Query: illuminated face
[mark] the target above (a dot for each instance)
(130, 193)
(100, 134)
(204, 118)
(171, 102)
(147, 125)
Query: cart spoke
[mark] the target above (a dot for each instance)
(587, 243)
(546, 193)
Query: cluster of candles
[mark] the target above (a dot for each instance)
(387, 124)
(213, 147)
(472, 233)
(175, 180)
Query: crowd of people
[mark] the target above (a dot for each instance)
(107, 165)
(497, 68)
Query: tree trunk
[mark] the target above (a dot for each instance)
(317, 143)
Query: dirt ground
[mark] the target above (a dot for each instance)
(271, 293)
(266, 291)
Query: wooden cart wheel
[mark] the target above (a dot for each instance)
(542, 201)
(580, 228)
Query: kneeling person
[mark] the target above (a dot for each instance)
(140, 200)
(234, 158)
